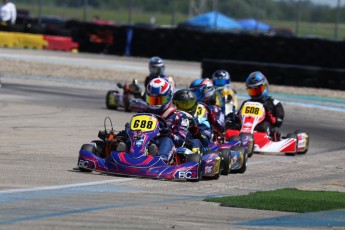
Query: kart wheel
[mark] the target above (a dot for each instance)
(307, 141)
(196, 158)
(235, 138)
(292, 135)
(244, 153)
(90, 148)
(225, 154)
(108, 100)
(100, 148)
(249, 138)
(129, 98)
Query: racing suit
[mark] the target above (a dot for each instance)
(274, 117)
(176, 133)
(211, 120)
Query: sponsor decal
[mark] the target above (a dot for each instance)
(185, 174)
(86, 164)
(208, 169)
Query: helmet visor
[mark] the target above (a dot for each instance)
(220, 82)
(257, 91)
(157, 100)
(197, 92)
(186, 105)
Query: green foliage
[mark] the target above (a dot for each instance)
(289, 200)
(263, 9)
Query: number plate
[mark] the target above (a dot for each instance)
(145, 123)
(252, 110)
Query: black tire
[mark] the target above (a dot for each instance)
(301, 131)
(100, 148)
(292, 135)
(129, 98)
(251, 142)
(198, 159)
(111, 92)
(244, 153)
(90, 148)
(235, 138)
(225, 154)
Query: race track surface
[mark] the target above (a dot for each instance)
(44, 122)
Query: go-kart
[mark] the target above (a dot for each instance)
(251, 114)
(109, 156)
(235, 148)
(226, 99)
(115, 99)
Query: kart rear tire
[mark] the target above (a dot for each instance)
(243, 151)
(302, 131)
(198, 159)
(129, 98)
(225, 154)
(90, 148)
(107, 100)
(292, 135)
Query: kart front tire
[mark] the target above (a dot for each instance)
(90, 148)
(225, 154)
(307, 144)
(244, 152)
(251, 142)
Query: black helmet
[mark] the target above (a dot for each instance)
(185, 100)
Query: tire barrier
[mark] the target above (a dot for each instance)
(36, 41)
(305, 60)
(61, 43)
(22, 40)
(280, 74)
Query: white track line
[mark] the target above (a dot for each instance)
(9, 191)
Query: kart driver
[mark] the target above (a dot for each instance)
(204, 91)
(257, 87)
(159, 100)
(186, 101)
(224, 93)
(157, 69)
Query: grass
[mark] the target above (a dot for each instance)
(121, 16)
(288, 200)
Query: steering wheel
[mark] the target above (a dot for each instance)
(161, 120)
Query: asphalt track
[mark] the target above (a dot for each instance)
(44, 122)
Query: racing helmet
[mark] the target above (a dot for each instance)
(221, 78)
(257, 85)
(158, 95)
(156, 66)
(185, 100)
(204, 90)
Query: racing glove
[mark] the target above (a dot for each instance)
(272, 119)
(166, 132)
(194, 130)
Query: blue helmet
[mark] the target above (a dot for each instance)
(159, 95)
(257, 85)
(221, 78)
(156, 66)
(203, 89)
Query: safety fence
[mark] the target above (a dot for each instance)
(292, 61)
